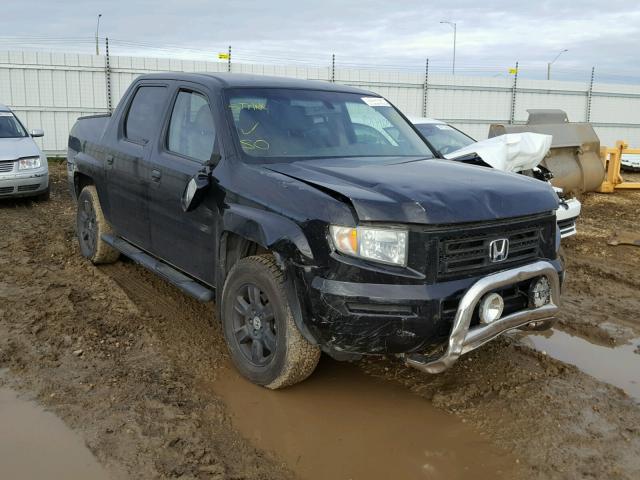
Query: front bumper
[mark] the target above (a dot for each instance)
(463, 339)
(566, 216)
(24, 184)
(365, 318)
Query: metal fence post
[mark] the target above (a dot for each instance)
(333, 67)
(107, 76)
(425, 90)
(590, 94)
(514, 92)
(229, 60)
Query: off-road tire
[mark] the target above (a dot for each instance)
(294, 358)
(94, 249)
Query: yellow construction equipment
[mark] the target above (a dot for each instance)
(611, 159)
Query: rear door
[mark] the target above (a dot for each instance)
(186, 240)
(128, 170)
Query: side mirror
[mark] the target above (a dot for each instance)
(194, 191)
(37, 132)
(199, 184)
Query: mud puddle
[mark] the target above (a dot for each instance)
(35, 444)
(619, 365)
(343, 424)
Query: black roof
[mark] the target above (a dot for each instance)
(232, 80)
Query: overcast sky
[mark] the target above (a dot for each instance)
(492, 34)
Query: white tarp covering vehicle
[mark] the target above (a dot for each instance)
(513, 152)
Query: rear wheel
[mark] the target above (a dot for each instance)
(263, 339)
(91, 225)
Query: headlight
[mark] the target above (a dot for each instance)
(29, 162)
(386, 245)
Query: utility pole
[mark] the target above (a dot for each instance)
(97, 30)
(455, 32)
(553, 61)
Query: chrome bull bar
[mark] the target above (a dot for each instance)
(463, 339)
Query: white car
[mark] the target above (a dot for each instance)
(630, 162)
(497, 152)
(24, 171)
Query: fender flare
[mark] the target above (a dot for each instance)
(269, 230)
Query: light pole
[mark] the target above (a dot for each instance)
(453, 24)
(97, 29)
(553, 61)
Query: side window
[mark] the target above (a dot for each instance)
(191, 129)
(143, 118)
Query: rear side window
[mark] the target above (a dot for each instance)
(191, 129)
(144, 116)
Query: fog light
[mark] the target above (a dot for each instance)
(491, 307)
(540, 292)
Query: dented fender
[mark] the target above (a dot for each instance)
(269, 230)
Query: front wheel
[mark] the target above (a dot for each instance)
(263, 339)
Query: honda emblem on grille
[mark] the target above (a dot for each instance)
(499, 250)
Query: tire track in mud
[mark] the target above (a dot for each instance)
(188, 328)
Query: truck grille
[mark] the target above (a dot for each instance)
(5, 190)
(6, 167)
(466, 253)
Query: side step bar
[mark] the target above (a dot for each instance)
(167, 272)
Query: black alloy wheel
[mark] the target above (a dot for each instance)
(87, 227)
(254, 325)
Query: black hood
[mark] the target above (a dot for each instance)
(426, 191)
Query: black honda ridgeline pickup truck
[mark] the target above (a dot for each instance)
(317, 219)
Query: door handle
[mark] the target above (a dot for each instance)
(109, 159)
(156, 175)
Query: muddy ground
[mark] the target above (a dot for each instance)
(135, 367)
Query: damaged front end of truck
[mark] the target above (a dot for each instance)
(476, 260)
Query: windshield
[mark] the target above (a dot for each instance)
(276, 124)
(443, 137)
(10, 126)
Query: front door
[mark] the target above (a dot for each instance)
(186, 240)
(127, 163)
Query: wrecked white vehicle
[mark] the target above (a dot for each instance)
(514, 152)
